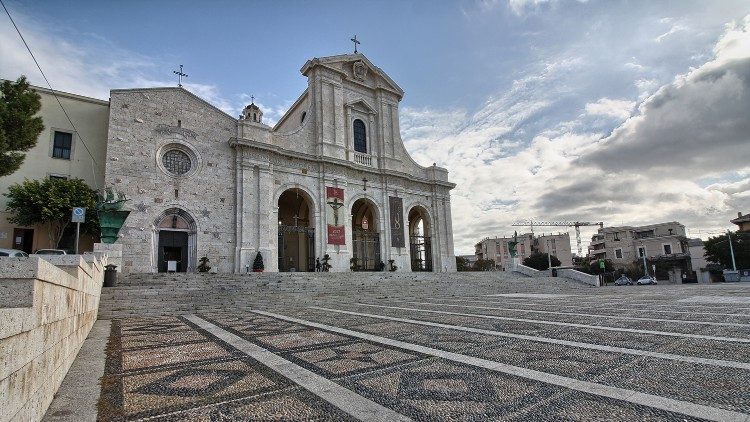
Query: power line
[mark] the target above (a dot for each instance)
(54, 93)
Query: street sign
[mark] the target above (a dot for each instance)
(79, 215)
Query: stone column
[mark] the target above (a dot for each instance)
(268, 212)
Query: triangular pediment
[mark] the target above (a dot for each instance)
(346, 64)
(362, 105)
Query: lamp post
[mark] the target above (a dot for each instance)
(645, 267)
(549, 260)
(731, 250)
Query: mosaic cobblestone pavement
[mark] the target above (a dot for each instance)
(605, 355)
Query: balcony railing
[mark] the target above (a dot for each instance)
(364, 159)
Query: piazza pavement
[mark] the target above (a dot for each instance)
(423, 347)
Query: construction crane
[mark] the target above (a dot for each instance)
(576, 224)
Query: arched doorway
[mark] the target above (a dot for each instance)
(420, 245)
(176, 245)
(365, 236)
(296, 236)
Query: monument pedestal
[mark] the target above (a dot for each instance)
(113, 252)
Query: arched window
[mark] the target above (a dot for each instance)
(360, 137)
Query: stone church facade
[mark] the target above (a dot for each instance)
(332, 177)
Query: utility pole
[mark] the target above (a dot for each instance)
(549, 260)
(731, 250)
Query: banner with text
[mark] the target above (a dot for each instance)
(396, 209)
(335, 216)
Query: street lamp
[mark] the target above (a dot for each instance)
(549, 260)
(731, 250)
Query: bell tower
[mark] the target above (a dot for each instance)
(252, 113)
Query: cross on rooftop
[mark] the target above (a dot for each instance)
(179, 75)
(355, 41)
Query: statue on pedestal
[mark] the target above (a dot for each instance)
(111, 214)
(512, 246)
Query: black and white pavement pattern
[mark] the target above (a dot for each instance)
(516, 351)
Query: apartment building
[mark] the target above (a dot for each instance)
(625, 244)
(742, 222)
(556, 245)
(496, 248)
(59, 153)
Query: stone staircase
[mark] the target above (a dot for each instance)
(138, 295)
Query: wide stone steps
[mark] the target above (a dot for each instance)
(138, 295)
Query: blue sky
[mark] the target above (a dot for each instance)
(551, 109)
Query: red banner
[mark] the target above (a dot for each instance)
(335, 216)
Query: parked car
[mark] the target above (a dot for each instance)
(646, 279)
(13, 253)
(624, 281)
(50, 252)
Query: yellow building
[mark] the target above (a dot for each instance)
(59, 152)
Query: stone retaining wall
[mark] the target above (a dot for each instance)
(46, 312)
(531, 272)
(589, 279)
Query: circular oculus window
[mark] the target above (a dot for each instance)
(176, 162)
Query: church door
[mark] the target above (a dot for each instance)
(366, 249)
(420, 241)
(296, 248)
(365, 236)
(421, 253)
(296, 235)
(173, 255)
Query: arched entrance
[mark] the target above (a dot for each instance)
(296, 236)
(365, 236)
(176, 245)
(420, 245)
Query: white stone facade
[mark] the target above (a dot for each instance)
(226, 199)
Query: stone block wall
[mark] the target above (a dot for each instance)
(146, 123)
(46, 312)
(531, 272)
(589, 279)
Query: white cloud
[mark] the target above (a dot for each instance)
(620, 109)
(521, 6)
(89, 66)
(566, 171)
(673, 30)
(700, 121)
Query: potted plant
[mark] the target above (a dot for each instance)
(326, 265)
(258, 266)
(392, 266)
(353, 264)
(203, 267)
(381, 266)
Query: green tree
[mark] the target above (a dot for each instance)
(258, 262)
(50, 202)
(484, 265)
(539, 261)
(19, 129)
(462, 264)
(717, 250)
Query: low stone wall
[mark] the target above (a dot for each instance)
(589, 279)
(46, 312)
(531, 272)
